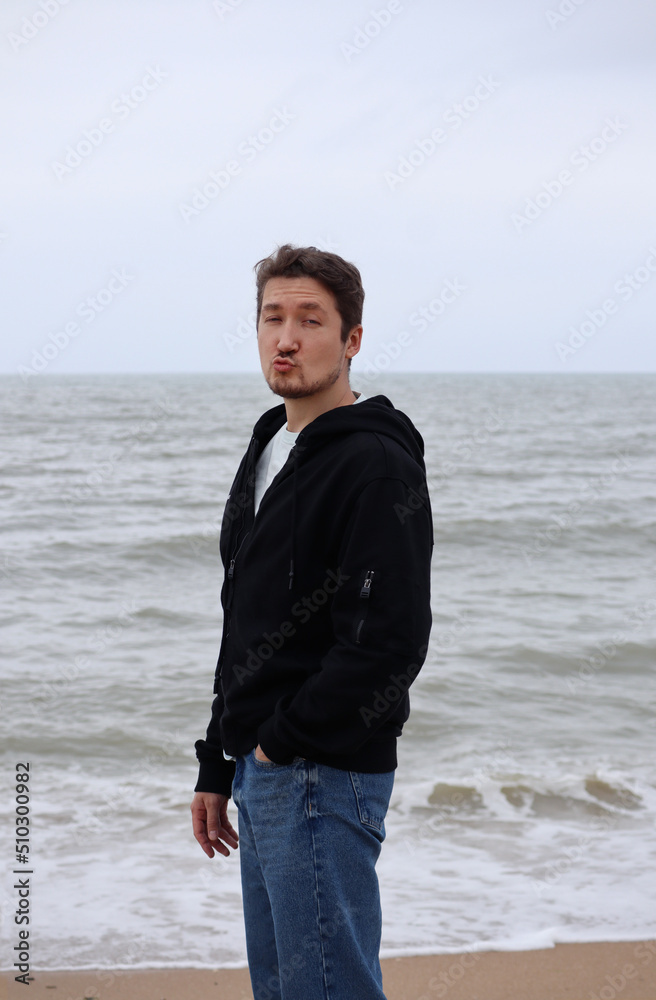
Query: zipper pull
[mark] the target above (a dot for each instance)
(366, 586)
(231, 569)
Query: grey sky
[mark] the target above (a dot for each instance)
(547, 101)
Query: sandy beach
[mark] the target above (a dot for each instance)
(566, 972)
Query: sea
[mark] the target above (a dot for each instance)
(524, 805)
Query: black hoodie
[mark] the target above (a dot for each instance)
(326, 596)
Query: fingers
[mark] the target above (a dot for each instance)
(212, 821)
(227, 831)
(198, 822)
(211, 825)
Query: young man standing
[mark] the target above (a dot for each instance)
(326, 542)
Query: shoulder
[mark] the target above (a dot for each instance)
(369, 454)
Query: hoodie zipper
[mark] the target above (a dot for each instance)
(227, 611)
(231, 567)
(365, 592)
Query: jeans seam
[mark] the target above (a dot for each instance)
(313, 831)
(365, 818)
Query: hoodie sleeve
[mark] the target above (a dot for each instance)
(381, 620)
(215, 772)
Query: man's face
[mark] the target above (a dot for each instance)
(299, 337)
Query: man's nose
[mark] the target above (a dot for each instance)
(286, 338)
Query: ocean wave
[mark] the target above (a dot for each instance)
(514, 797)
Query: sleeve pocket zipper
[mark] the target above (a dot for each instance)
(365, 592)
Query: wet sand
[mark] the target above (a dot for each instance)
(565, 972)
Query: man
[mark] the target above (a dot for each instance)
(326, 541)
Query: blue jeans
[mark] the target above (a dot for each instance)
(309, 839)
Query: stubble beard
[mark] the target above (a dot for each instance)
(282, 385)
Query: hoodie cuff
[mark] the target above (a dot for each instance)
(215, 776)
(275, 749)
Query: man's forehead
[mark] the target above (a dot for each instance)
(302, 291)
(308, 305)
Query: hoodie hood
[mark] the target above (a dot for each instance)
(376, 414)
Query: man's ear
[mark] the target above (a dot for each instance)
(353, 341)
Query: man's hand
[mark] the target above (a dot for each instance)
(260, 754)
(209, 816)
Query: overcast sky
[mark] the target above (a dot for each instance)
(489, 166)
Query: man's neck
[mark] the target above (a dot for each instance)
(301, 412)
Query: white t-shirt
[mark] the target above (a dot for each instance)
(274, 456)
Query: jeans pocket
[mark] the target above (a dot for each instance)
(266, 765)
(372, 795)
(236, 781)
(270, 765)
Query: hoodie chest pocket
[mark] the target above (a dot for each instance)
(364, 603)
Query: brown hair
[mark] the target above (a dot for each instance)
(336, 274)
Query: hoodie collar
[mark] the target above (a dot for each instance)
(376, 414)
